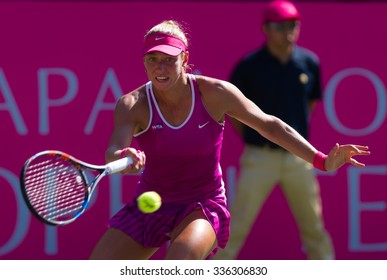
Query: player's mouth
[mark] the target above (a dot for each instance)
(161, 79)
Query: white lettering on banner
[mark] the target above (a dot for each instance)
(22, 218)
(356, 206)
(329, 102)
(44, 100)
(11, 106)
(110, 81)
(231, 173)
(51, 240)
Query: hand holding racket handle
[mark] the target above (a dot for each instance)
(118, 165)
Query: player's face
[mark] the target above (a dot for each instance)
(283, 33)
(162, 69)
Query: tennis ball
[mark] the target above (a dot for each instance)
(149, 202)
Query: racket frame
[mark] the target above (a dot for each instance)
(80, 166)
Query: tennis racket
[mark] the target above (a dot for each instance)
(55, 186)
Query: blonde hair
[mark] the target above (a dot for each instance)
(170, 27)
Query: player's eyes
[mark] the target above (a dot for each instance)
(167, 60)
(151, 59)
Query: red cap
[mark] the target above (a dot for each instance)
(165, 43)
(277, 11)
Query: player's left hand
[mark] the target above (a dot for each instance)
(341, 154)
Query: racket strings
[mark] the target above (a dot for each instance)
(55, 188)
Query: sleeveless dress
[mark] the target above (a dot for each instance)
(183, 166)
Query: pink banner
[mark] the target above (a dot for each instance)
(63, 65)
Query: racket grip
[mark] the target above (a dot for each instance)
(118, 165)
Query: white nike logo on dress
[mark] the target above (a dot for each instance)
(203, 125)
(159, 38)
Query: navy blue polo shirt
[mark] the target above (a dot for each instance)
(282, 90)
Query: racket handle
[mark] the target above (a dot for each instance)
(118, 165)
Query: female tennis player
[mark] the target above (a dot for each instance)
(178, 120)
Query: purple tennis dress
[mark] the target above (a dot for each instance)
(182, 165)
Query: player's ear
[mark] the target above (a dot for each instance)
(185, 58)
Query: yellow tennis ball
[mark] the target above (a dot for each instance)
(149, 202)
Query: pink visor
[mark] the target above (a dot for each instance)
(165, 43)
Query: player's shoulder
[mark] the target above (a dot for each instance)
(135, 95)
(134, 98)
(217, 94)
(209, 84)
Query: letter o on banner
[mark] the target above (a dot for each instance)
(329, 102)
